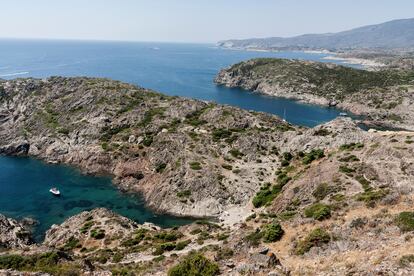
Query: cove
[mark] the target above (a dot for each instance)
(186, 70)
(24, 190)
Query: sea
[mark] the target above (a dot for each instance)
(176, 69)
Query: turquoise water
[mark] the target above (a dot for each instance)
(175, 69)
(24, 190)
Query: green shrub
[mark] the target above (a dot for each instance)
(318, 211)
(372, 196)
(185, 193)
(284, 163)
(224, 253)
(182, 244)
(312, 156)
(194, 264)
(254, 238)
(150, 114)
(406, 260)
(272, 232)
(86, 226)
(148, 141)
(322, 190)
(117, 257)
(71, 243)
(322, 132)
(105, 146)
(98, 234)
(351, 146)
(315, 238)
(219, 134)
(159, 168)
(286, 215)
(47, 262)
(227, 167)
(236, 153)
(346, 170)
(405, 221)
(168, 236)
(194, 118)
(195, 166)
(265, 195)
(349, 158)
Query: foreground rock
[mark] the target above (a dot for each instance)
(385, 97)
(13, 234)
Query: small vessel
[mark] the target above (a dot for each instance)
(284, 115)
(55, 191)
(343, 114)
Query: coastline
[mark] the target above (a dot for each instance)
(331, 56)
(366, 63)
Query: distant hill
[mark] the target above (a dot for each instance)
(392, 34)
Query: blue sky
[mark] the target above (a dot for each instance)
(190, 20)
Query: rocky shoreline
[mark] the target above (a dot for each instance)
(288, 200)
(382, 104)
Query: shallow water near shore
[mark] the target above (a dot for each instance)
(24, 190)
(186, 70)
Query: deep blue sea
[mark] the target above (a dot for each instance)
(175, 69)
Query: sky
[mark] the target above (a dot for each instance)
(202, 21)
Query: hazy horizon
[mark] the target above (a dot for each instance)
(185, 21)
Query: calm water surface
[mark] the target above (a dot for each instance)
(24, 192)
(175, 69)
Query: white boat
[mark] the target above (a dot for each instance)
(55, 191)
(343, 114)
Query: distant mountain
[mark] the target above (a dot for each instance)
(392, 34)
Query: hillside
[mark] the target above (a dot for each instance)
(392, 34)
(330, 200)
(385, 96)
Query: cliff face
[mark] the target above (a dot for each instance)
(331, 200)
(187, 157)
(385, 97)
(13, 234)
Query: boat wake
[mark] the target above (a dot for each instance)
(14, 74)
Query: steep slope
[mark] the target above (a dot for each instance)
(392, 34)
(186, 157)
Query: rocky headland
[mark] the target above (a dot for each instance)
(383, 97)
(329, 200)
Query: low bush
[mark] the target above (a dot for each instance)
(185, 193)
(406, 260)
(372, 196)
(219, 134)
(405, 221)
(351, 146)
(317, 237)
(318, 211)
(322, 190)
(195, 264)
(98, 234)
(195, 166)
(159, 168)
(254, 238)
(272, 232)
(349, 158)
(312, 156)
